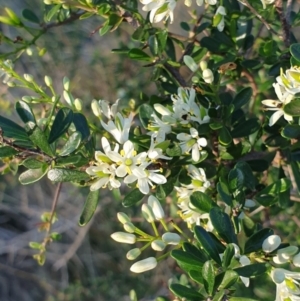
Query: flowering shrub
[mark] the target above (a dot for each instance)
(205, 142)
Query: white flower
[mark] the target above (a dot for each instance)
(106, 176)
(287, 284)
(278, 105)
(145, 180)
(128, 161)
(159, 128)
(144, 265)
(290, 81)
(159, 9)
(119, 128)
(192, 142)
(271, 243)
(125, 238)
(199, 181)
(109, 111)
(154, 153)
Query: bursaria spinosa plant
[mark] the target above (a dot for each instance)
(218, 139)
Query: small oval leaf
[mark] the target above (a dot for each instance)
(89, 208)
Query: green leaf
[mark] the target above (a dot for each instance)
(246, 128)
(32, 175)
(185, 292)
(242, 98)
(82, 126)
(284, 200)
(185, 26)
(291, 131)
(269, 195)
(224, 192)
(242, 299)
(52, 12)
(186, 260)
(236, 179)
(30, 16)
(219, 296)
(174, 151)
(227, 279)
(62, 121)
(164, 190)
(32, 163)
(228, 255)
(190, 63)
(12, 130)
(138, 54)
(253, 269)
(296, 172)
(208, 274)
(132, 197)
(71, 159)
(7, 151)
(254, 243)
(72, 144)
(196, 276)
(67, 175)
(25, 112)
(224, 136)
(89, 208)
(293, 107)
(249, 179)
(258, 165)
(202, 201)
(153, 44)
(295, 51)
(38, 138)
(207, 243)
(145, 112)
(196, 252)
(222, 225)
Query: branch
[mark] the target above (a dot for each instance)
(284, 22)
(247, 4)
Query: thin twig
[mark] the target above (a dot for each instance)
(247, 4)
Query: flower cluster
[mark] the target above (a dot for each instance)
(152, 211)
(287, 282)
(286, 87)
(187, 211)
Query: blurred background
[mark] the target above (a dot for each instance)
(86, 264)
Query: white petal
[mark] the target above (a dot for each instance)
(100, 183)
(271, 103)
(158, 179)
(202, 142)
(161, 109)
(128, 148)
(121, 171)
(271, 243)
(274, 118)
(143, 186)
(195, 153)
(130, 179)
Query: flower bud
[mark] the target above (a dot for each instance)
(148, 213)
(124, 238)
(156, 207)
(66, 83)
(158, 245)
(129, 227)
(133, 254)
(48, 2)
(189, 61)
(285, 254)
(68, 98)
(271, 243)
(27, 98)
(171, 238)
(123, 217)
(144, 265)
(78, 104)
(11, 84)
(208, 76)
(29, 51)
(96, 108)
(28, 77)
(296, 260)
(48, 81)
(203, 65)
